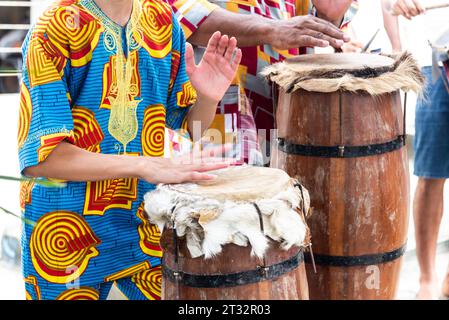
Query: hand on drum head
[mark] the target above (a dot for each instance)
(191, 167)
(305, 31)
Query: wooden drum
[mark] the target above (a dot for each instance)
(341, 132)
(240, 236)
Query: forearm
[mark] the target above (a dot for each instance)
(200, 117)
(71, 163)
(391, 24)
(249, 29)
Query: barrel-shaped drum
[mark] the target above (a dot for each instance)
(341, 133)
(240, 236)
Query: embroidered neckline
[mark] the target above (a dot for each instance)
(96, 11)
(123, 124)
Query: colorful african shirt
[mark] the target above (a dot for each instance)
(106, 89)
(250, 97)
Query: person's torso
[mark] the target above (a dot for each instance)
(112, 209)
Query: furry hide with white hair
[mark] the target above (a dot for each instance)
(208, 224)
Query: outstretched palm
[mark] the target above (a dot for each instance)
(213, 75)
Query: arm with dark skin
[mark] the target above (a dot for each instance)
(252, 30)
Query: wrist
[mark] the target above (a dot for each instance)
(206, 101)
(266, 33)
(137, 165)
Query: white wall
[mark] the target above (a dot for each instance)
(38, 7)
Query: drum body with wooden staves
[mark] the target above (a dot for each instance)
(240, 236)
(341, 132)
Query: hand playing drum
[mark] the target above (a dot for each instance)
(240, 236)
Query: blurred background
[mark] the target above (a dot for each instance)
(16, 17)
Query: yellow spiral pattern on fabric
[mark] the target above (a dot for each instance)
(149, 235)
(87, 131)
(149, 283)
(156, 28)
(41, 66)
(83, 293)
(75, 34)
(175, 60)
(61, 246)
(153, 131)
(187, 96)
(25, 111)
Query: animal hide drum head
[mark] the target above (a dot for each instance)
(240, 183)
(347, 61)
(353, 72)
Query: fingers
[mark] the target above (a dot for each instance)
(400, 9)
(197, 177)
(212, 45)
(325, 40)
(408, 8)
(200, 172)
(309, 41)
(219, 161)
(222, 45)
(190, 60)
(205, 167)
(352, 46)
(232, 44)
(411, 8)
(419, 7)
(315, 32)
(328, 29)
(237, 59)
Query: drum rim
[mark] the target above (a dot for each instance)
(329, 71)
(201, 193)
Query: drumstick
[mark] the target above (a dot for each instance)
(437, 6)
(365, 48)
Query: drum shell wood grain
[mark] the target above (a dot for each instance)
(233, 259)
(360, 205)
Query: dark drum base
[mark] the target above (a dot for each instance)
(233, 275)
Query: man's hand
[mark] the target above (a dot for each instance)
(407, 8)
(305, 31)
(192, 167)
(71, 163)
(214, 74)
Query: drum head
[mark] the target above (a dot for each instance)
(340, 61)
(242, 183)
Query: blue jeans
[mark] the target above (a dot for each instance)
(432, 130)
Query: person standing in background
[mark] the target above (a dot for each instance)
(362, 30)
(267, 32)
(431, 145)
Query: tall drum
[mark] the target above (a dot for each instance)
(238, 237)
(341, 132)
